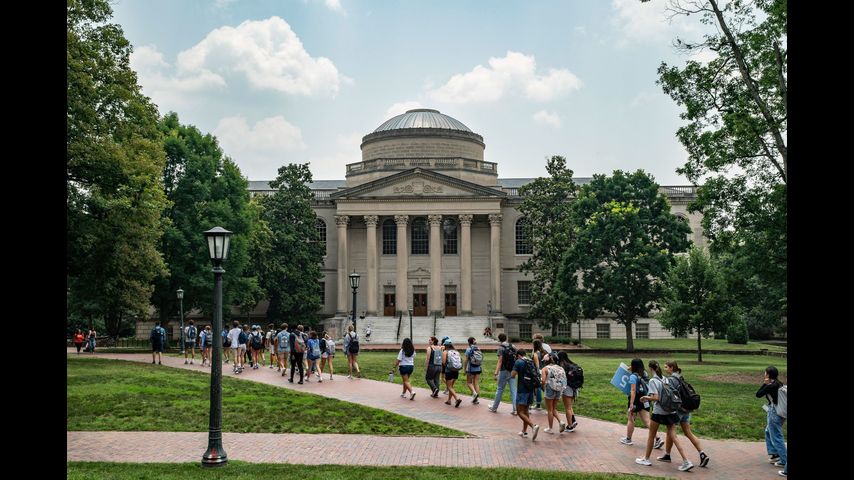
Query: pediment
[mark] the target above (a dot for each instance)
(418, 183)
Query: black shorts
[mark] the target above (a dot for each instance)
(157, 348)
(452, 375)
(638, 404)
(668, 419)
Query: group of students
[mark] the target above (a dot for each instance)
(79, 339)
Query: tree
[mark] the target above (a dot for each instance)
(737, 112)
(696, 298)
(294, 254)
(625, 241)
(546, 207)
(114, 164)
(206, 190)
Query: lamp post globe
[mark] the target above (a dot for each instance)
(180, 293)
(218, 240)
(354, 284)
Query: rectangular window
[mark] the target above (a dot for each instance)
(564, 330)
(389, 238)
(525, 331)
(603, 330)
(523, 292)
(642, 330)
(322, 291)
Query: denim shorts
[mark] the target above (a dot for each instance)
(189, 345)
(407, 369)
(570, 392)
(551, 394)
(524, 398)
(684, 417)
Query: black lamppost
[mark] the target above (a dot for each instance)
(354, 284)
(215, 456)
(410, 321)
(181, 302)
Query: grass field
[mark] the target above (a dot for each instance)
(727, 384)
(129, 396)
(254, 471)
(678, 344)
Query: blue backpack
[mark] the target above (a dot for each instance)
(191, 333)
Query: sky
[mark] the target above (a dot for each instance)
(295, 81)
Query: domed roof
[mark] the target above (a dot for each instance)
(422, 118)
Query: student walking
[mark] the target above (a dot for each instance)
(270, 340)
(92, 335)
(327, 347)
(675, 375)
(78, 340)
(474, 367)
(298, 347)
(775, 444)
(283, 348)
(207, 345)
(528, 377)
(406, 364)
(226, 345)
(570, 393)
(538, 354)
(158, 342)
(234, 339)
(313, 355)
(433, 365)
(503, 372)
(553, 383)
(351, 347)
(661, 415)
(190, 333)
(636, 406)
(452, 364)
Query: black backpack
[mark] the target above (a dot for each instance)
(155, 337)
(690, 398)
(575, 376)
(530, 377)
(256, 341)
(508, 358)
(322, 344)
(241, 339)
(354, 344)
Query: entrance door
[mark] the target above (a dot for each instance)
(388, 304)
(419, 304)
(450, 304)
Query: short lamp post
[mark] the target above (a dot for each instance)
(181, 310)
(215, 456)
(410, 322)
(354, 284)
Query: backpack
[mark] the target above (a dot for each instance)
(191, 333)
(226, 341)
(690, 398)
(299, 343)
(556, 378)
(508, 358)
(256, 341)
(529, 377)
(354, 344)
(330, 347)
(314, 349)
(642, 387)
(322, 344)
(668, 397)
(156, 337)
(476, 357)
(454, 361)
(575, 376)
(437, 357)
(208, 340)
(782, 402)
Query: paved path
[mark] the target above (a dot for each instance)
(593, 447)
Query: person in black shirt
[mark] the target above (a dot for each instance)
(774, 441)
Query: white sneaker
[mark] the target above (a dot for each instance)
(523, 434)
(562, 427)
(686, 466)
(644, 461)
(536, 430)
(626, 441)
(658, 443)
(548, 430)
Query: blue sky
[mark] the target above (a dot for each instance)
(303, 80)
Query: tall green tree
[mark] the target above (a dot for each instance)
(294, 253)
(546, 207)
(696, 298)
(736, 136)
(625, 242)
(114, 167)
(206, 190)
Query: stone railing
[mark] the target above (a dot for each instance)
(407, 163)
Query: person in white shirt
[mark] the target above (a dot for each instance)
(406, 363)
(234, 336)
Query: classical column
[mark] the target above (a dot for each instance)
(437, 295)
(495, 260)
(400, 300)
(371, 222)
(465, 264)
(343, 286)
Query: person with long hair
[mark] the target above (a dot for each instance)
(473, 371)
(774, 441)
(352, 357)
(660, 416)
(538, 354)
(672, 369)
(406, 364)
(433, 365)
(569, 394)
(524, 394)
(637, 407)
(450, 358)
(78, 340)
(327, 354)
(554, 372)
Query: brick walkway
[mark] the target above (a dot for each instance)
(593, 447)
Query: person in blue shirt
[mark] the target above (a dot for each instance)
(524, 394)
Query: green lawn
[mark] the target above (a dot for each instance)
(254, 471)
(129, 396)
(678, 344)
(728, 410)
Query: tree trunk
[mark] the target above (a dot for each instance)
(699, 347)
(554, 327)
(164, 313)
(630, 344)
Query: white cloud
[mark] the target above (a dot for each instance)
(649, 22)
(514, 73)
(547, 118)
(268, 53)
(330, 166)
(703, 56)
(261, 148)
(401, 107)
(335, 6)
(167, 90)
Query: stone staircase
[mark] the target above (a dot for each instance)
(385, 329)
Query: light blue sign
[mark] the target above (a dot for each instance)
(621, 379)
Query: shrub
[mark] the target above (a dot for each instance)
(737, 333)
(514, 339)
(565, 340)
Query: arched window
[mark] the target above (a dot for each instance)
(389, 237)
(449, 236)
(321, 233)
(681, 216)
(523, 247)
(420, 237)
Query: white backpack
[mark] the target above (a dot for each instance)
(556, 378)
(454, 360)
(782, 402)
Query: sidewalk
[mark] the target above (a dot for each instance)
(593, 447)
